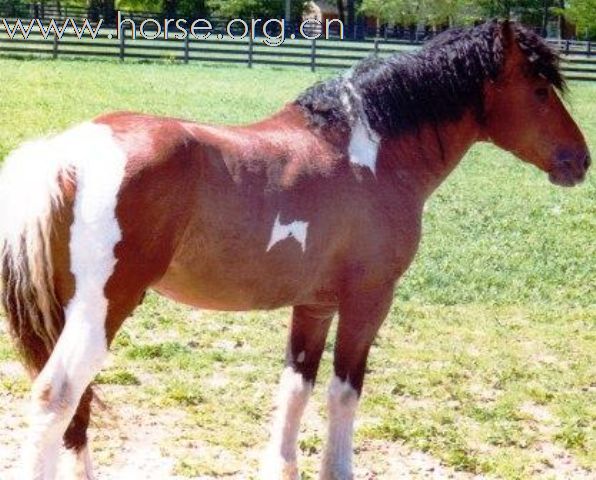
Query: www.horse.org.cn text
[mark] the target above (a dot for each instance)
(271, 32)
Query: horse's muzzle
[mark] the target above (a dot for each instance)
(570, 167)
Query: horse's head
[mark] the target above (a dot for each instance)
(524, 113)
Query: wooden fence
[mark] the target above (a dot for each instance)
(579, 58)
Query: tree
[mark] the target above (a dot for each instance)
(340, 11)
(254, 8)
(170, 8)
(351, 18)
(102, 8)
(431, 12)
(583, 14)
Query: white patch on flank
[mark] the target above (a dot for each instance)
(364, 141)
(296, 230)
(98, 165)
(342, 402)
(279, 461)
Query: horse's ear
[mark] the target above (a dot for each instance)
(507, 33)
(505, 51)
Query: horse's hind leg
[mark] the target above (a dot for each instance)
(306, 343)
(76, 463)
(61, 387)
(76, 359)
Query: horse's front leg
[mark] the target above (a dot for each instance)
(310, 325)
(360, 316)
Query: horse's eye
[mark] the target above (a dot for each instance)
(542, 94)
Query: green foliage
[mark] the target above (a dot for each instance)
(13, 7)
(433, 12)
(117, 377)
(583, 14)
(461, 12)
(254, 8)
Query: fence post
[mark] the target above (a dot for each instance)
(589, 48)
(55, 47)
(250, 50)
(567, 47)
(121, 38)
(186, 48)
(376, 47)
(313, 55)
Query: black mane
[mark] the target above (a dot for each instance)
(438, 83)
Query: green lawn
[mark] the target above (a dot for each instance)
(486, 362)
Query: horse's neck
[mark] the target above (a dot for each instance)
(423, 159)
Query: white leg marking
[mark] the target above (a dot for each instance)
(76, 465)
(279, 462)
(296, 230)
(82, 347)
(342, 402)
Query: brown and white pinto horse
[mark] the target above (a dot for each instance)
(318, 207)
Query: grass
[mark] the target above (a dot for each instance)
(487, 355)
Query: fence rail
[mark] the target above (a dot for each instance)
(579, 59)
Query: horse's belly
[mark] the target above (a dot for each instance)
(243, 285)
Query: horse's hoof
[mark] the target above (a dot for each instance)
(335, 473)
(279, 469)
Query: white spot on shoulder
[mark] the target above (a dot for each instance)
(296, 230)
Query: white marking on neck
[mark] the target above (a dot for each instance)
(364, 147)
(296, 230)
(342, 402)
(364, 141)
(279, 460)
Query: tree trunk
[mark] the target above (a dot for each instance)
(170, 8)
(102, 8)
(351, 18)
(561, 20)
(94, 10)
(340, 11)
(545, 9)
(109, 11)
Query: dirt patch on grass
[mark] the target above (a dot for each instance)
(132, 442)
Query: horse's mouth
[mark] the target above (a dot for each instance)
(565, 178)
(570, 168)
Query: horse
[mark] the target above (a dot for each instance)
(317, 207)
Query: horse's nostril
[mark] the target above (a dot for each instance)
(587, 161)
